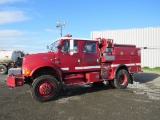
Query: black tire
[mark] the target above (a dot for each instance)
(45, 88)
(122, 79)
(3, 69)
(111, 83)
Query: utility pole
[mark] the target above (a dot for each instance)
(59, 25)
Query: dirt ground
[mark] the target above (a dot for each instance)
(140, 101)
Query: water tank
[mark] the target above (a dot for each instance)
(9, 55)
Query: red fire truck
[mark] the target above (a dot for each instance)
(72, 61)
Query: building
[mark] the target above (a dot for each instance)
(141, 37)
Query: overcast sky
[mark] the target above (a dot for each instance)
(30, 25)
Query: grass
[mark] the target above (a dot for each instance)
(151, 69)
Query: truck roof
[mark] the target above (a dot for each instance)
(66, 38)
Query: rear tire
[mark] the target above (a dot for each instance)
(3, 69)
(45, 88)
(122, 79)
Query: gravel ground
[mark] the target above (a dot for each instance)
(140, 101)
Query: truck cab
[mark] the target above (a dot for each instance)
(77, 55)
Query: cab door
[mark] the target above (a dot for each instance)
(90, 56)
(67, 62)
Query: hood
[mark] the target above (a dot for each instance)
(38, 58)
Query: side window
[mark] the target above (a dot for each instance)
(89, 47)
(75, 47)
(65, 46)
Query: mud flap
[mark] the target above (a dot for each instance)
(131, 78)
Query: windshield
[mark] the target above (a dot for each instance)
(54, 45)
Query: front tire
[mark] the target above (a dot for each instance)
(45, 88)
(122, 79)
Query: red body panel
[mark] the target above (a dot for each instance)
(74, 79)
(35, 61)
(93, 77)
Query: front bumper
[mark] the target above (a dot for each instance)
(14, 78)
(15, 81)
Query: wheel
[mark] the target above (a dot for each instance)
(122, 79)
(3, 69)
(45, 88)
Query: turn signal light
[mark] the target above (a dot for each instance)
(26, 71)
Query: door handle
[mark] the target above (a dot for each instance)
(97, 60)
